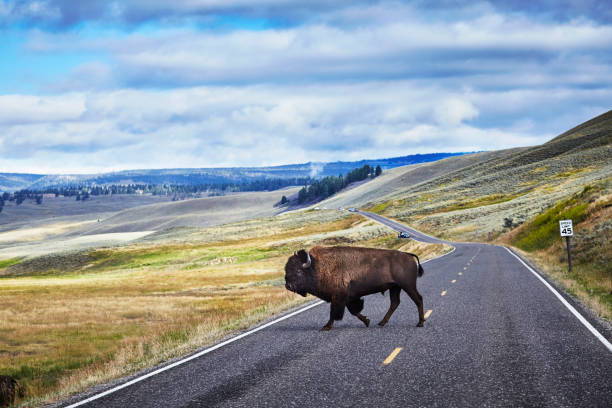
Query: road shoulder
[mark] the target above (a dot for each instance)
(603, 326)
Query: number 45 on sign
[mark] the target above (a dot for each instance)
(565, 226)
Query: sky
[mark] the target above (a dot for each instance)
(98, 85)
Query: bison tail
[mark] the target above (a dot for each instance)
(419, 267)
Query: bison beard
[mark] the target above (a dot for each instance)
(343, 275)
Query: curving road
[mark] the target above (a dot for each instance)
(496, 335)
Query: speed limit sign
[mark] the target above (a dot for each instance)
(565, 226)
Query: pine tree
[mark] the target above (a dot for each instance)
(302, 195)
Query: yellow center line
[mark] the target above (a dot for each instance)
(443, 293)
(393, 354)
(454, 280)
(460, 273)
(465, 268)
(427, 313)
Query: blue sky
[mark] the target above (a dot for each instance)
(106, 85)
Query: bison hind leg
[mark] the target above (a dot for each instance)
(418, 301)
(394, 295)
(355, 306)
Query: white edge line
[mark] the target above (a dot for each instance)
(571, 308)
(194, 356)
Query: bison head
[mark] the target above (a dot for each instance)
(299, 276)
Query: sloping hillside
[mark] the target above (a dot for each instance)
(402, 180)
(470, 202)
(201, 212)
(30, 237)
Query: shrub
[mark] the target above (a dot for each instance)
(543, 230)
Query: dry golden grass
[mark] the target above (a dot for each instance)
(425, 251)
(127, 308)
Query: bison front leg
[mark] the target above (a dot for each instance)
(336, 312)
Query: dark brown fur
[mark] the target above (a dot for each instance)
(9, 388)
(342, 275)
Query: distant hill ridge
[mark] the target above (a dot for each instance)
(13, 182)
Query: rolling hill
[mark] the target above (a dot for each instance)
(468, 197)
(201, 212)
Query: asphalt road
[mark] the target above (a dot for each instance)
(496, 336)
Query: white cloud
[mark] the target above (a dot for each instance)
(255, 125)
(492, 45)
(453, 111)
(19, 109)
(379, 80)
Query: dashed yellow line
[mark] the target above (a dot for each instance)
(465, 268)
(454, 280)
(460, 273)
(427, 313)
(393, 354)
(443, 293)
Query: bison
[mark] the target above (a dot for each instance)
(342, 275)
(9, 389)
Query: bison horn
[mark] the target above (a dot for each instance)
(308, 261)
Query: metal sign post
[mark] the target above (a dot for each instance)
(567, 230)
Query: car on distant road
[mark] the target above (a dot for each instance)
(403, 235)
(353, 209)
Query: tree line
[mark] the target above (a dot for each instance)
(328, 186)
(178, 191)
(20, 196)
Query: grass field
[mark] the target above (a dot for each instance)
(70, 321)
(63, 225)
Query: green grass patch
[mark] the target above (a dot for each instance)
(542, 231)
(379, 208)
(5, 263)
